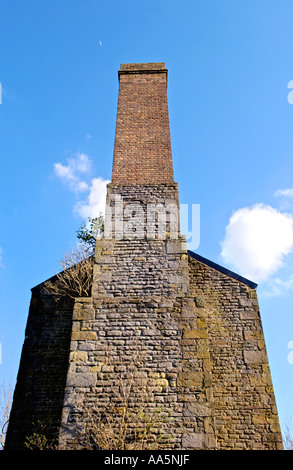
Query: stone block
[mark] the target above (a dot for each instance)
(199, 301)
(188, 312)
(173, 247)
(249, 315)
(162, 383)
(198, 441)
(83, 310)
(84, 335)
(81, 379)
(254, 357)
(259, 419)
(78, 356)
(189, 378)
(245, 302)
(197, 409)
(195, 333)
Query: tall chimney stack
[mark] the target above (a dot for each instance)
(142, 150)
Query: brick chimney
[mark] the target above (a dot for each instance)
(142, 150)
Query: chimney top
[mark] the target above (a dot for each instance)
(152, 67)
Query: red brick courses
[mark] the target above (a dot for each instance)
(142, 150)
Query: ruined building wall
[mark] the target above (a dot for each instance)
(244, 403)
(39, 391)
(161, 326)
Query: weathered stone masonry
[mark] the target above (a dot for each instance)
(244, 404)
(194, 326)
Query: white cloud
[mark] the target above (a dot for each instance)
(257, 240)
(96, 200)
(76, 176)
(71, 174)
(276, 287)
(284, 192)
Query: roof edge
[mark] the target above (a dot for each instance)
(223, 270)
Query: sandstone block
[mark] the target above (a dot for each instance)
(249, 315)
(81, 379)
(83, 311)
(162, 383)
(198, 441)
(84, 335)
(78, 356)
(245, 302)
(197, 409)
(199, 301)
(254, 357)
(259, 419)
(191, 379)
(195, 333)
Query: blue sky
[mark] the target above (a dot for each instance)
(231, 119)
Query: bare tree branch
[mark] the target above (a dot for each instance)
(75, 278)
(5, 406)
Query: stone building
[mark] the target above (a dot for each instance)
(192, 327)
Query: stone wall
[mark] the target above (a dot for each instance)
(244, 402)
(162, 327)
(200, 354)
(39, 391)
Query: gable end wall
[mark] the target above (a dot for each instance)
(245, 409)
